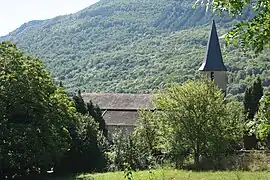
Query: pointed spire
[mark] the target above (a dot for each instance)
(213, 59)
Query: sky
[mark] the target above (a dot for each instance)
(13, 13)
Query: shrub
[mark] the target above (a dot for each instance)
(124, 150)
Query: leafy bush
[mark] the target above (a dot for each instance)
(124, 151)
(244, 161)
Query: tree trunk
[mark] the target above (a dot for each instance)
(196, 158)
(197, 153)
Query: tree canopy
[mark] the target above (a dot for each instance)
(34, 114)
(252, 33)
(191, 122)
(40, 127)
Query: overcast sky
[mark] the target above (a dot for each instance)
(14, 13)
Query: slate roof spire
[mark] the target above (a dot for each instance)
(213, 59)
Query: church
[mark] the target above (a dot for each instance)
(120, 111)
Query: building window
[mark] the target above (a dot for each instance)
(212, 76)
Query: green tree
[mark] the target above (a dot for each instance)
(252, 98)
(201, 120)
(79, 103)
(35, 115)
(262, 120)
(252, 33)
(147, 132)
(124, 150)
(91, 110)
(96, 113)
(151, 133)
(88, 146)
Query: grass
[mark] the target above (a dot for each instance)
(256, 166)
(170, 174)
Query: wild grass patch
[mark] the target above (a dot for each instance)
(164, 174)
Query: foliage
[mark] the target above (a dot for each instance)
(124, 152)
(79, 103)
(40, 128)
(251, 103)
(198, 125)
(150, 134)
(144, 148)
(89, 142)
(88, 148)
(95, 112)
(91, 110)
(253, 33)
(35, 115)
(252, 98)
(262, 120)
(135, 46)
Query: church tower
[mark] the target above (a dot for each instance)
(213, 65)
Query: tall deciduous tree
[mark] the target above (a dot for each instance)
(252, 33)
(35, 115)
(252, 98)
(201, 120)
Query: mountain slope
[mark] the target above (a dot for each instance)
(132, 46)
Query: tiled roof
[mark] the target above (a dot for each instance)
(121, 117)
(119, 109)
(118, 100)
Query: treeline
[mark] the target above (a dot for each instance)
(134, 46)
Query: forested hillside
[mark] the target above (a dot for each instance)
(134, 46)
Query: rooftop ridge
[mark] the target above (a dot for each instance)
(119, 101)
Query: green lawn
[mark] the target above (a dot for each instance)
(178, 174)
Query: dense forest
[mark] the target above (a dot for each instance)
(135, 46)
